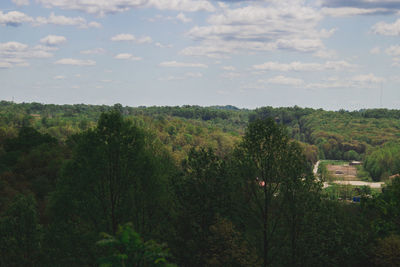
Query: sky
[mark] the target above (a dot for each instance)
(330, 54)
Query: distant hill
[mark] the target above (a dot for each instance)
(337, 134)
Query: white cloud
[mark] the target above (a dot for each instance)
(66, 21)
(21, 2)
(13, 46)
(186, 76)
(299, 66)
(144, 40)
(126, 37)
(228, 68)
(182, 5)
(282, 80)
(181, 17)
(278, 26)
(389, 29)
(349, 11)
(211, 49)
(182, 64)
(16, 54)
(75, 62)
(367, 78)
(5, 65)
(103, 7)
(393, 50)
(162, 45)
(127, 56)
(53, 40)
(123, 37)
(396, 62)
(94, 24)
(325, 53)
(223, 5)
(358, 81)
(14, 18)
(194, 74)
(95, 51)
(230, 75)
(59, 77)
(375, 51)
(361, 7)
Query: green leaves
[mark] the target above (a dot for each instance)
(127, 248)
(20, 233)
(116, 174)
(384, 161)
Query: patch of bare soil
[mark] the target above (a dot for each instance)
(343, 172)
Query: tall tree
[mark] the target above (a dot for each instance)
(275, 172)
(116, 175)
(202, 193)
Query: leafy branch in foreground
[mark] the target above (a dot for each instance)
(127, 248)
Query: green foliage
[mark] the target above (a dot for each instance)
(20, 233)
(279, 183)
(335, 234)
(127, 248)
(227, 247)
(387, 251)
(385, 209)
(116, 174)
(204, 192)
(30, 163)
(383, 162)
(218, 193)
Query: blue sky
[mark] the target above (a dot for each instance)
(329, 54)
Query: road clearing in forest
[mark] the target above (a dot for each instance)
(360, 183)
(347, 174)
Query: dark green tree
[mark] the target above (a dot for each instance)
(277, 176)
(117, 174)
(20, 233)
(202, 193)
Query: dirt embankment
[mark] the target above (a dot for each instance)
(343, 172)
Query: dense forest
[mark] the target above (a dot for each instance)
(84, 185)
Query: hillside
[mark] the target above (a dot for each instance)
(328, 134)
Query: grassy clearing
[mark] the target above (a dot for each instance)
(347, 192)
(334, 162)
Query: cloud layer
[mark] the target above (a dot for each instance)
(103, 7)
(75, 62)
(127, 37)
(15, 54)
(278, 26)
(16, 18)
(175, 64)
(53, 40)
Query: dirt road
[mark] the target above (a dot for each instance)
(360, 183)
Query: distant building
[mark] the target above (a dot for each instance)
(354, 163)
